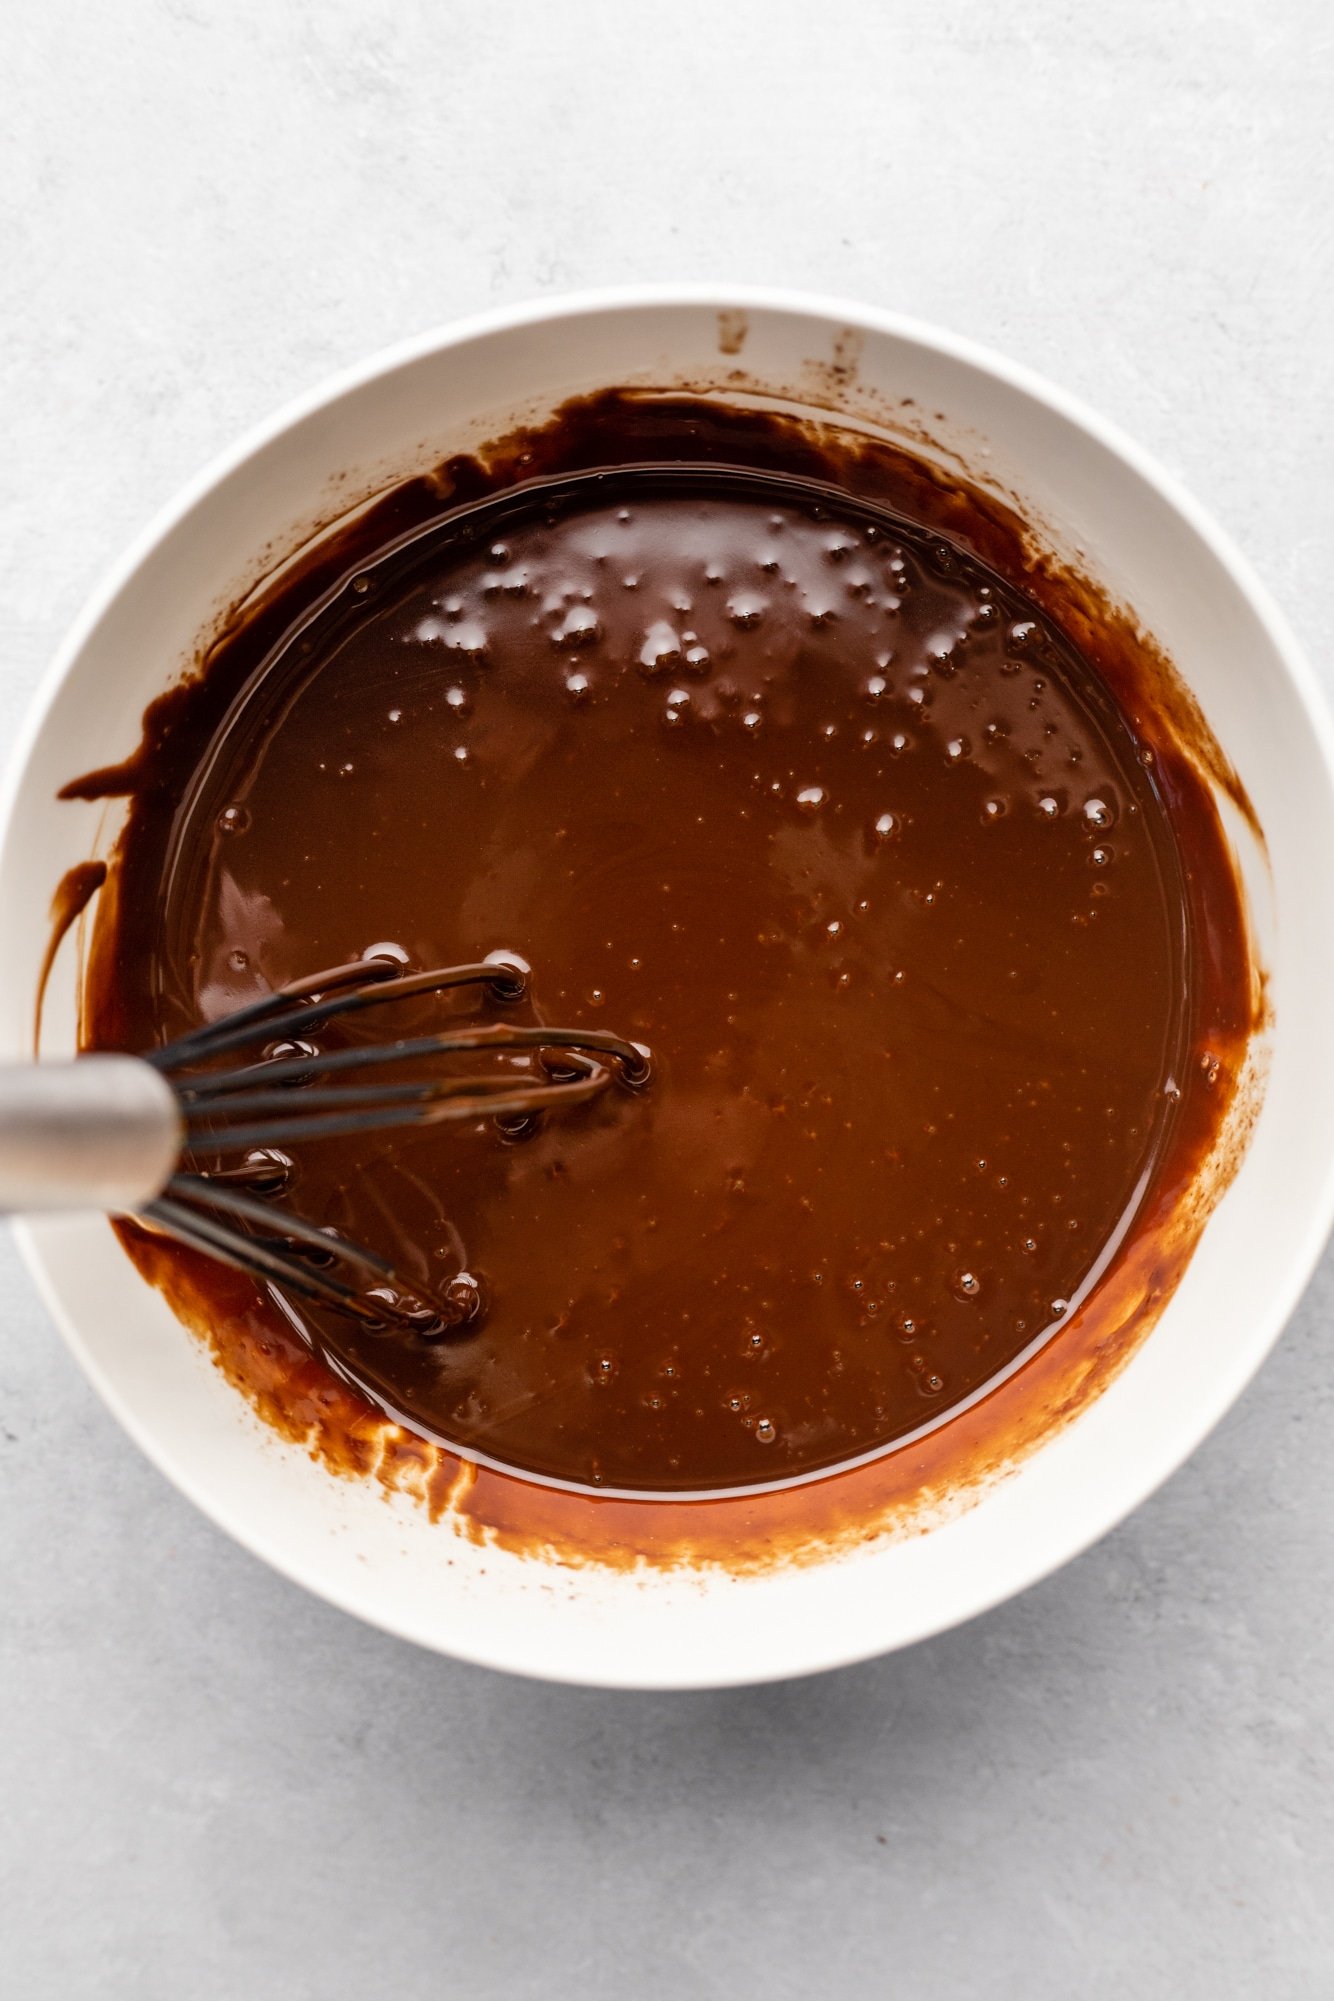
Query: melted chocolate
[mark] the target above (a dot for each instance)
(74, 892)
(802, 793)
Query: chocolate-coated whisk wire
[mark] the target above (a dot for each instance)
(287, 1099)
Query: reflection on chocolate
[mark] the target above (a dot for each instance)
(934, 952)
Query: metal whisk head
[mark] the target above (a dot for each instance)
(100, 1131)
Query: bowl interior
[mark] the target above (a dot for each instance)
(1090, 496)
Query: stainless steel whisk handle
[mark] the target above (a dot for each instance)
(100, 1132)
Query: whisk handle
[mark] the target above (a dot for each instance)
(100, 1132)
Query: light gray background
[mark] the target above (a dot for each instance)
(213, 1786)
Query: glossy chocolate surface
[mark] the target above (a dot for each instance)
(804, 794)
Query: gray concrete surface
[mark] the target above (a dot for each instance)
(213, 1786)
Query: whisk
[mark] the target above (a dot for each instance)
(128, 1134)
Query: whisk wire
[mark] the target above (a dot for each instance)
(286, 1099)
(498, 1037)
(282, 1014)
(327, 1113)
(247, 1253)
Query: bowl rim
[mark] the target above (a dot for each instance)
(824, 311)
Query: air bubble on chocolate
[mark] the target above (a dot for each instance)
(766, 1431)
(289, 1049)
(603, 1371)
(579, 627)
(956, 749)
(233, 820)
(661, 648)
(1099, 857)
(746, 608)
(1059, 1308)
(875, 687)
(751, 720)
(266, 1170)
(1048, 807)
(810, 798)
(993, 810)
(1019, 640)
(967, 1285)
(1097, 813)
(457, 699)
(886, 827)
(468, 639)
(467, 1295)
(578, 687)
(507, 584)
(678, 703)
(698, 658)
(401, 1311)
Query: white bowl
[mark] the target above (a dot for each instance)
(383, 1558)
